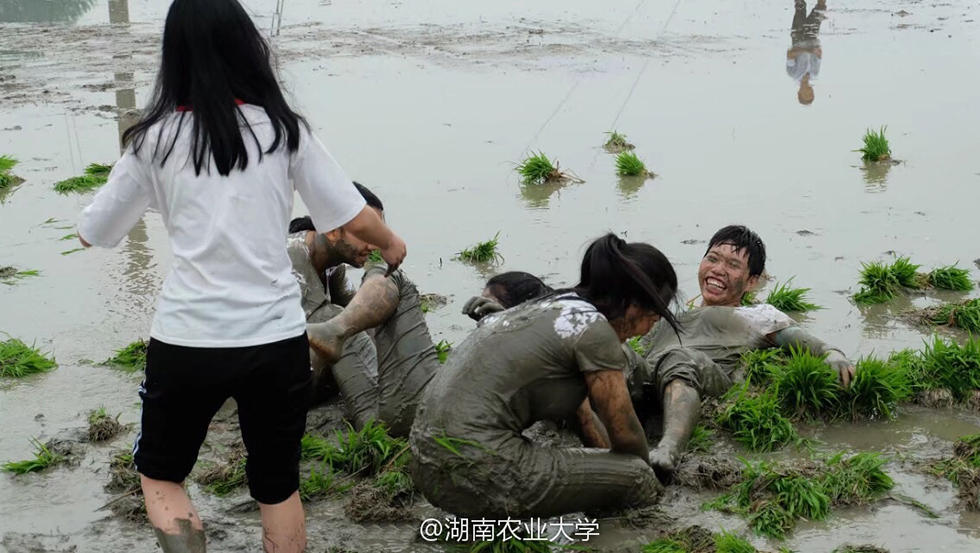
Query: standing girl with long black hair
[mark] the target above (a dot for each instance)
(218, 153)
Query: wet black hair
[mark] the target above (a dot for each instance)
(305, 222)
(212, 57)
(516, 287)
(616, 274)
(742, 238)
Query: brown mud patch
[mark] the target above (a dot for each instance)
(935, 399)
(104, 428)
(124, 482)
(369, 503)
(707, 472)
(866, 548)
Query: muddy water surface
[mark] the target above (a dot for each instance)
(432, 104)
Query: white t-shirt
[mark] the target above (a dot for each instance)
(231, 283)
(805, 62)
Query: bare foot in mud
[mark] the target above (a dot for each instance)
(664, 459)
(327, 339)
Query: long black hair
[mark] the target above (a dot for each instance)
(516, 287)
(616, 274)
(213, 57)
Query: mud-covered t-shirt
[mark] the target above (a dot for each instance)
(519, 366)
(723, 333)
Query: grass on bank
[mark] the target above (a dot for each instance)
(17, 359)
(44, 457)
(876, 146)
(629, 165)
(96, 174)
(483, 252)
(790, 300)
(131, 358)
(951, 277)
(617, 143)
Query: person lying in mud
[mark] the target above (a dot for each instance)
(804, 56)
(703, 358)
(560, 358)
(504, 291)
(380, 375)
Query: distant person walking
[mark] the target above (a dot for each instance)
(804, 56)
(218, 152)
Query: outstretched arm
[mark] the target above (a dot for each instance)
(611, 400)
(589, 428)
(796, 337)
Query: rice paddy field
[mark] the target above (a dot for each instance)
(434, 105)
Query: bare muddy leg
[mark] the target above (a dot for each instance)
(284, 526)
(682, 406)
(175, 520)
(373, 304)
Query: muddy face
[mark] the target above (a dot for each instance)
(724, 276)
(347, 248)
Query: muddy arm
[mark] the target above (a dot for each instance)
(589, 428)
(611, 401)
(797, 338)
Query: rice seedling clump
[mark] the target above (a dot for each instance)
(878, 284)
(636, 345)
(17, 359)
(856, 480)
(10, 275)
(728, 542)
(688, 540)
(617, 143)
(442, 350)
(131, 358)
(222, 479)
(628, 165)
(102, 426)
(807, 387)
(8, 180)
(700, 440)
(749, 298)
(96, 174)
(366, 452)
(484, 252)
(512, 545)
(44, 457)
(761, 365)
(875, 146)
(538, 169)
(755, 420)
(790, 300)
(951, 277)
(964, 315)
(945, 364)
(125, 481)
(963, 470)
(907, 273)
(876, 389)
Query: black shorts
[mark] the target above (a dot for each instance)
(184, 388)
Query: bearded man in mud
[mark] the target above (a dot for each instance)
(804, 56)
(373, 344)
(677, 370)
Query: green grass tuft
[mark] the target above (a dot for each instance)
(17, 359)
(948, 365)
(875, 146)
(366, 452)
(617, 142)
(807, 387)
(222, 480)
(964, 315)
(10, 275)
(906, 273)
(43, 458)
(876, 389)
(755, 420)
(878, 284)
(628, 165)
(7, 163)
(790, 300)
(484, 252)
(103, 426)
(635, 345)
(762, 364)
(951, 277)
(538, 169)
(749, 298)
(729, 542)
(664, 545)
(700, 440)
(84, 183)
(375, 257)
(322, 483)
(442, 350)
(856, 480)
(6, 178)
(131, 358)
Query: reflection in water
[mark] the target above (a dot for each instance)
(875, 174)
(803, 57)
(629, 186)
(537, 195)
(126, 114)
(43, 11)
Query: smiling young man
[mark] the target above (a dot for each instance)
(704, 358)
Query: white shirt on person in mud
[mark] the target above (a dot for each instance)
(231, 282)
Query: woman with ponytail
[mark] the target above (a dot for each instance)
(561, 358)
(218, 153)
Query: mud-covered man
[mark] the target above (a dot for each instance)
(702, 360)
(373, 344)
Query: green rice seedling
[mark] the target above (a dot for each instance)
(96, 174)
(7, 163)
(7, 180)
(10, 275)
(375, 257)
(223, 479)
(700, 440)
(98, 170)
(538, 169)
(963, 469)
(964, 315)
(875, 146)
(635, 345)
(442, 350)
(755, 420)
(617, 143)
(365, 452)
(910, 362)
(790, 300)
(807, 386)
(856, 480)
(512, 545)
(907, 273)
(17, 359)
(102, 426)
(483, 252)
(951, 366)
(750, 298)
(878, 284)
(43, 458)
(73, 250)
(729, 542)
(951, 277)
(761, 365)
(876, 389)
(664, 545)
(131, 358)
(628, 165)
(322, 483)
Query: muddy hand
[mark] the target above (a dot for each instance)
(663, 460)
(395, 253)
(478, 307)
(327, 341)
(843, 367)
